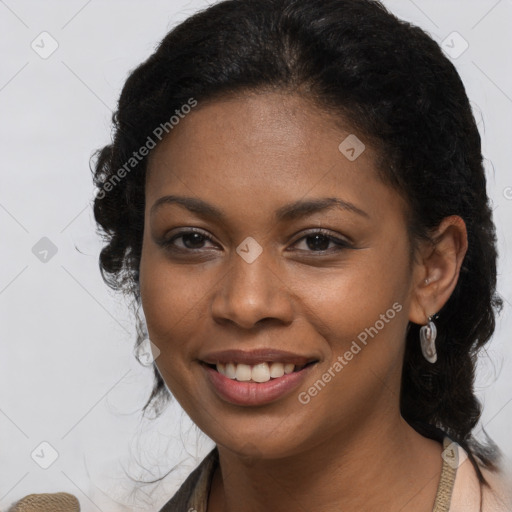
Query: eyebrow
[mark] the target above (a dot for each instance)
(297, 209)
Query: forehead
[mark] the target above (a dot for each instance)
(264, 148)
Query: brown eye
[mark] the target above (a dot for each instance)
(319, 241)
(190, 240)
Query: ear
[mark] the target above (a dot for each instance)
(437, 268)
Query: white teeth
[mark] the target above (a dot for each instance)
(262, 372)
(288, 368)
(243, 372)
(230, 370)
(276, 370)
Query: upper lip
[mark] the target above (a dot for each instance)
(257, 356)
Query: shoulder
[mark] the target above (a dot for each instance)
(499, 497)
(193, 493)
(469, 496)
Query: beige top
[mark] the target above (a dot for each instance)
(458, 490)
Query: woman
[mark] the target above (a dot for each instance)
(296, 198)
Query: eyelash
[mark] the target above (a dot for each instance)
(341, 244)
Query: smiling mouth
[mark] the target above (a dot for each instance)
(259, 373)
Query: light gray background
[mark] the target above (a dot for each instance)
(68, 376)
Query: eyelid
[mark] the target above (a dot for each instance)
(341, 239)
(166, 241)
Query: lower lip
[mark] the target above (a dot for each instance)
(253, 393)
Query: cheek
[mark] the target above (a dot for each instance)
(363, 303)
(361, 317)
(172, 299)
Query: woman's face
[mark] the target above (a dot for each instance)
(265, 271)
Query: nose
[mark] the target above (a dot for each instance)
(252, 292)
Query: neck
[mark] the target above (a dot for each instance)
(374, 468)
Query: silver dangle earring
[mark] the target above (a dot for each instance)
(428, 334)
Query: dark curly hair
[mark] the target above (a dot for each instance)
(383, 77)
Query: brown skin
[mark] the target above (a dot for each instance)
(348, 448)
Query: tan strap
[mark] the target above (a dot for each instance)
(57, 502)
(448, 473)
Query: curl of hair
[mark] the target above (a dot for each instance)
(388, 81)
